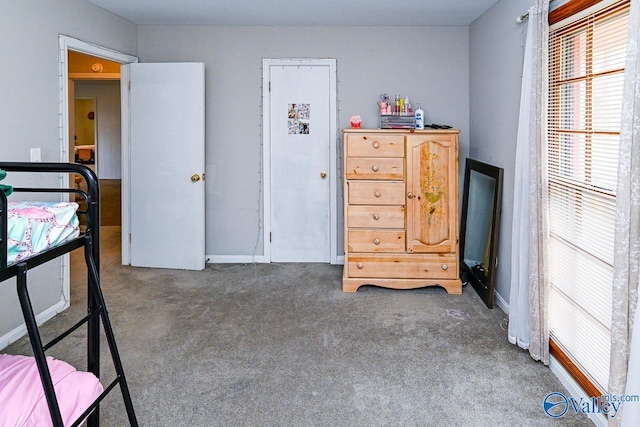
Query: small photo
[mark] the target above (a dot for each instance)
(293, 111)
(298, 119)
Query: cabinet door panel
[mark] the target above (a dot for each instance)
(432, 193)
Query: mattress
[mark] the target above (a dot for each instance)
(22, 397)
(34, 227)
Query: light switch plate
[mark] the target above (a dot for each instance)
(35, 155)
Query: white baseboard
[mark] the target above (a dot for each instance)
(247, 259)
(21, 330)
(574, 389)
(501, 303)
(234, 259)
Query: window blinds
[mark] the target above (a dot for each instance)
(586, 74)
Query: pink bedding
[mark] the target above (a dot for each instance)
(22, 401)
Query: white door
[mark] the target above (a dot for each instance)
(300, 138)
(166, 128)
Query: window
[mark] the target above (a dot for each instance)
(586, 74)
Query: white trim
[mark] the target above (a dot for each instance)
(21, 330)
(249, 259)
(574, 389)
(125, 183)
(67, 43)
(504, 306)
(267, 63)
(235, 259)
(266, 160)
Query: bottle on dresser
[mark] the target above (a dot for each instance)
(419, 117)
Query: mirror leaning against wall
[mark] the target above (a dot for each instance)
(479, 228)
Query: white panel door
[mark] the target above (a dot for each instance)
(166, 104)
(300, 165)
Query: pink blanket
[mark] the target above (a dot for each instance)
(22, 401)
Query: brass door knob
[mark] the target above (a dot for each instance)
(195, 177)
(323, 174)
(410, 195)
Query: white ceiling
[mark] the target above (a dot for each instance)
(298, 13)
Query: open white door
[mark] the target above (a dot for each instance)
(166, 146)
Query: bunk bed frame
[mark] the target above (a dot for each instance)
(89, 239)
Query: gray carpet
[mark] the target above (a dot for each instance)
(282, 345)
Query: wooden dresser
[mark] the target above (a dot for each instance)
(401, 209)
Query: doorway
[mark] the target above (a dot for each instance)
(299, 160)
(103, 66)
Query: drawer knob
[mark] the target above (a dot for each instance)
(376, 217)
(374, 168)
(377, 194)
(359, 265)
(376, 241)
(376, 145)
(445, 267)
(410, 195)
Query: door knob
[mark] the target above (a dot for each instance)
(323, 174)
(195, 177)
(410, 195)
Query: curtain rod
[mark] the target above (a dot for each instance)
(520, 19)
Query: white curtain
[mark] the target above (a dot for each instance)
(624, 377)
(528, 325)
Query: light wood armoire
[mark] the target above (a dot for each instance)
(401, 209)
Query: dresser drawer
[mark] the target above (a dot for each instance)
(376, 241)
(376, 193)
(390, 168)
(403, 267)
(372, 145)
(363, 216)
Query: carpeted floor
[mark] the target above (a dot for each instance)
(282, 345)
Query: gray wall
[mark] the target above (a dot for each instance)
(496, 52)
(107, 94)
(30, 105)
(429, 64)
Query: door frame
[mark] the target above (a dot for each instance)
(267, 63)
(66, 44)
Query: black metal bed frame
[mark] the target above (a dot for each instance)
(96, 308)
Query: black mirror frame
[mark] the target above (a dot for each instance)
(485, 292)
